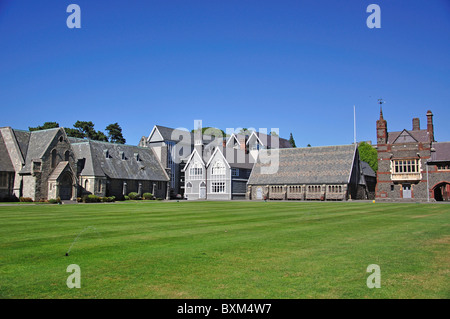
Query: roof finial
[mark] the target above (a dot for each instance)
(381, 101)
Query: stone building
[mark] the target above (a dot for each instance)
(43, 164)
(47, 164)
(311, 173)
(107, 169)
(411, 164)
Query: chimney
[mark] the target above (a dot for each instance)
(416, 124)
(430, 127)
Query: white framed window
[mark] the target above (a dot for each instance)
(405, 166)
(196, 171)
(218, 168)
(235, 172)
(218, 187)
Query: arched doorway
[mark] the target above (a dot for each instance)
(442, 192)
(65, 187)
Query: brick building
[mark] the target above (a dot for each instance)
(411, 164)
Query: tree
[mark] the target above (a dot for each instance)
(292, 141)
(85, 129)
(211, 131)
(45, 126)
(115, 133)
(275, 134)
(368, 153)
(309, 145)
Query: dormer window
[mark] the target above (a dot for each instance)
(122, 155)
(106, 153)
(137, 157)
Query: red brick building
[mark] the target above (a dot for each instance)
(411, 164)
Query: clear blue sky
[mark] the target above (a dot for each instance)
(299, 66)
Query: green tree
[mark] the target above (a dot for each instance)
(368, 153)
(45, 126)
(85, 129)
(115, 133)
(211, 131)
(292, 141)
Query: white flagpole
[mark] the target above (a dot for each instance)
(354, 123)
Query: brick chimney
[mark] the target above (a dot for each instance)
(416, 124)
(430, 127)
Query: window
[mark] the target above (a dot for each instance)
(406, 166)
(53, 159)
(392, 188)
(189, 185)
(218, 187)
(276, 189)
(218, 168)
(443, 167)
(3, 179)
(66, 156)
(99, 186)
(235, 172)
(196, 171)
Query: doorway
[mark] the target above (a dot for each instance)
(406, 190)
(65, 187)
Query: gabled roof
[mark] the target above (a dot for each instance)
(235, 158)
(194, 152)
(5, 161)
(23, 139)
(310, 165)
(176, 135)
(38, 144)
(59, 169)
(402, 136)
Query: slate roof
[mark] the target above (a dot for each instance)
(170, 134)
(98, 164)
(367, 170)
(419, 135)
(22, 138)
(442, 152)
(5, 161)
(38, 144)
(310, 165)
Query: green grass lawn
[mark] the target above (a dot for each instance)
(225, 250)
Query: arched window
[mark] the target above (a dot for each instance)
(189, 185)
(218, 168)
(53, 159)
(66, 156)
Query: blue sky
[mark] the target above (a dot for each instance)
(299, 66)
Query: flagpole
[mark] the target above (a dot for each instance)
(354, 124)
